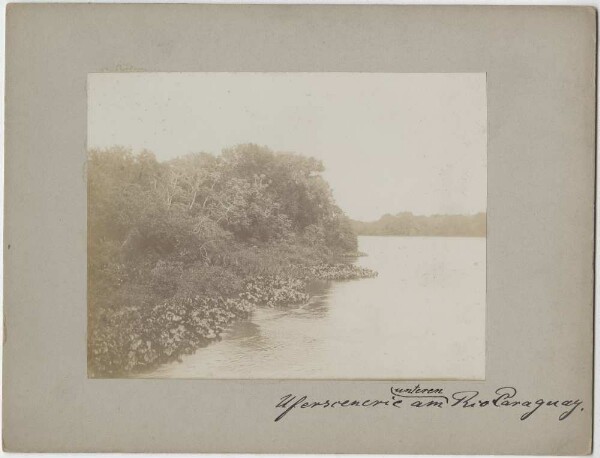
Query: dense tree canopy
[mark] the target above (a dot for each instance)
(188, 207)
(197, 226)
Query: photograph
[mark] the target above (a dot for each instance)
(318, 226)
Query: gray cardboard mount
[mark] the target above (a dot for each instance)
(540, 65)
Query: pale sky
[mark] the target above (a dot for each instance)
(389, 142)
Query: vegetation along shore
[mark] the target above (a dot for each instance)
(408, 224)
(178, 250)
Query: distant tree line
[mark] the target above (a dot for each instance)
(408, 224)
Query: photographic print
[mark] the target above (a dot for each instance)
(287, 225)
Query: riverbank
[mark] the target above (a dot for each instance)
(140, 339)
(179, 249)
(426, 303)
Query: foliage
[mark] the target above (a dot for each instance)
(275, 290)
(179, 249)
(435, 225)
(339, 271)
(132, 339)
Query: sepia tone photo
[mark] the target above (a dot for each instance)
(287, 225)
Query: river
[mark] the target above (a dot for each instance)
(422, 317)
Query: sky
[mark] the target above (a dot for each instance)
(390, 142)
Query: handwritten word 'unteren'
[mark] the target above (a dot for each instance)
(417, 397)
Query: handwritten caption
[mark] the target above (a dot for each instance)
(417, 397)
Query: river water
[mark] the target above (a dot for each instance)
(422, 317)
